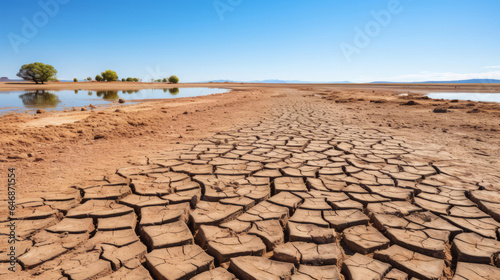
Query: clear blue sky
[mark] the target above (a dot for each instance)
(255, 39)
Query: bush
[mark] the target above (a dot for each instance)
(129, 79)
(158, 81)
(164, 80)
(37, 72)
(75, 80)
(123, 79)
(173, 79)
(109, 76)
(99, 78)
(89, 79)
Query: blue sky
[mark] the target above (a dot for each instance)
(200, 40)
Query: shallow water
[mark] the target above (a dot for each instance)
(21, 101)
(472, 96)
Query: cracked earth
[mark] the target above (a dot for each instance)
(297, 195)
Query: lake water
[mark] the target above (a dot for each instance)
(472, 96)
(21, 101)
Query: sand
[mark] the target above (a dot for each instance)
(59, 149)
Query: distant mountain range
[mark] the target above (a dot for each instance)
(5, 79)
(471, 81)
(276, 82)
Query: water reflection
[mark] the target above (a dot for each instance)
(108, 94)
(173, 91)
(59, 100)
(130, 91)
(39, 99)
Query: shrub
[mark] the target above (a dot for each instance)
(75, 80)
(173, 79)
(99, 78)
(109, 76)
(37, 72)
(89, 79)
(164, 80)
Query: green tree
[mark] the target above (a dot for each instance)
(75, 80)
(173, 79)
(136, 79)
(89, 79)
(37, 72)
(164, 80)
(129, 79)
(123, 79)
(99, 78)
(109, 76)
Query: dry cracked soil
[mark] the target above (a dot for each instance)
(296, 194)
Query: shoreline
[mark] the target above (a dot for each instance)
(10, 86)
(411, 90)
(94, 102)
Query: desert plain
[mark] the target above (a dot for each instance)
(267, 181)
